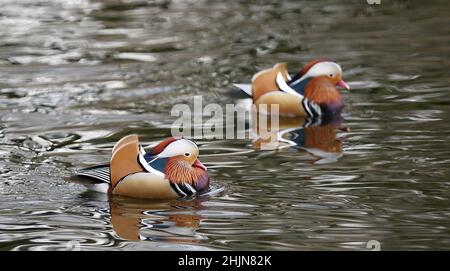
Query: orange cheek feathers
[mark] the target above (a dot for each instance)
(321, 90)
(178, 170)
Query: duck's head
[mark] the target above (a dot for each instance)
(318, 81)
(178, 159)
(318, 68)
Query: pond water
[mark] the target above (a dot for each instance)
(77, 75)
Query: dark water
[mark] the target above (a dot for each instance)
(76, 75)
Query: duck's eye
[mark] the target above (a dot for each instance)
(187, 154)
(331, 75)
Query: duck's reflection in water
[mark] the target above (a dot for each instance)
(318, 137)
(170, 221)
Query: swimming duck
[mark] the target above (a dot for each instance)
(309, 93)
(170, 170)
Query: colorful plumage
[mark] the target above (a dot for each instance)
(170, 170)
(309, 93)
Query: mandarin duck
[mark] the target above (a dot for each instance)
(169, 170)
(309, 93)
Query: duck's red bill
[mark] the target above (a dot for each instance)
(344, 85)
(199, 164)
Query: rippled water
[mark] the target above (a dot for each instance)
(76, 75)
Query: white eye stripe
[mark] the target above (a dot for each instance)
(321, 68)
(179, 147)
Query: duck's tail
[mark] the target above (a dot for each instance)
(95, 178)
(247, 88)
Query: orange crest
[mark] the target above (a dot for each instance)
(312, 63)
(161, 146)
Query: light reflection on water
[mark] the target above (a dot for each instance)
(77, 75)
